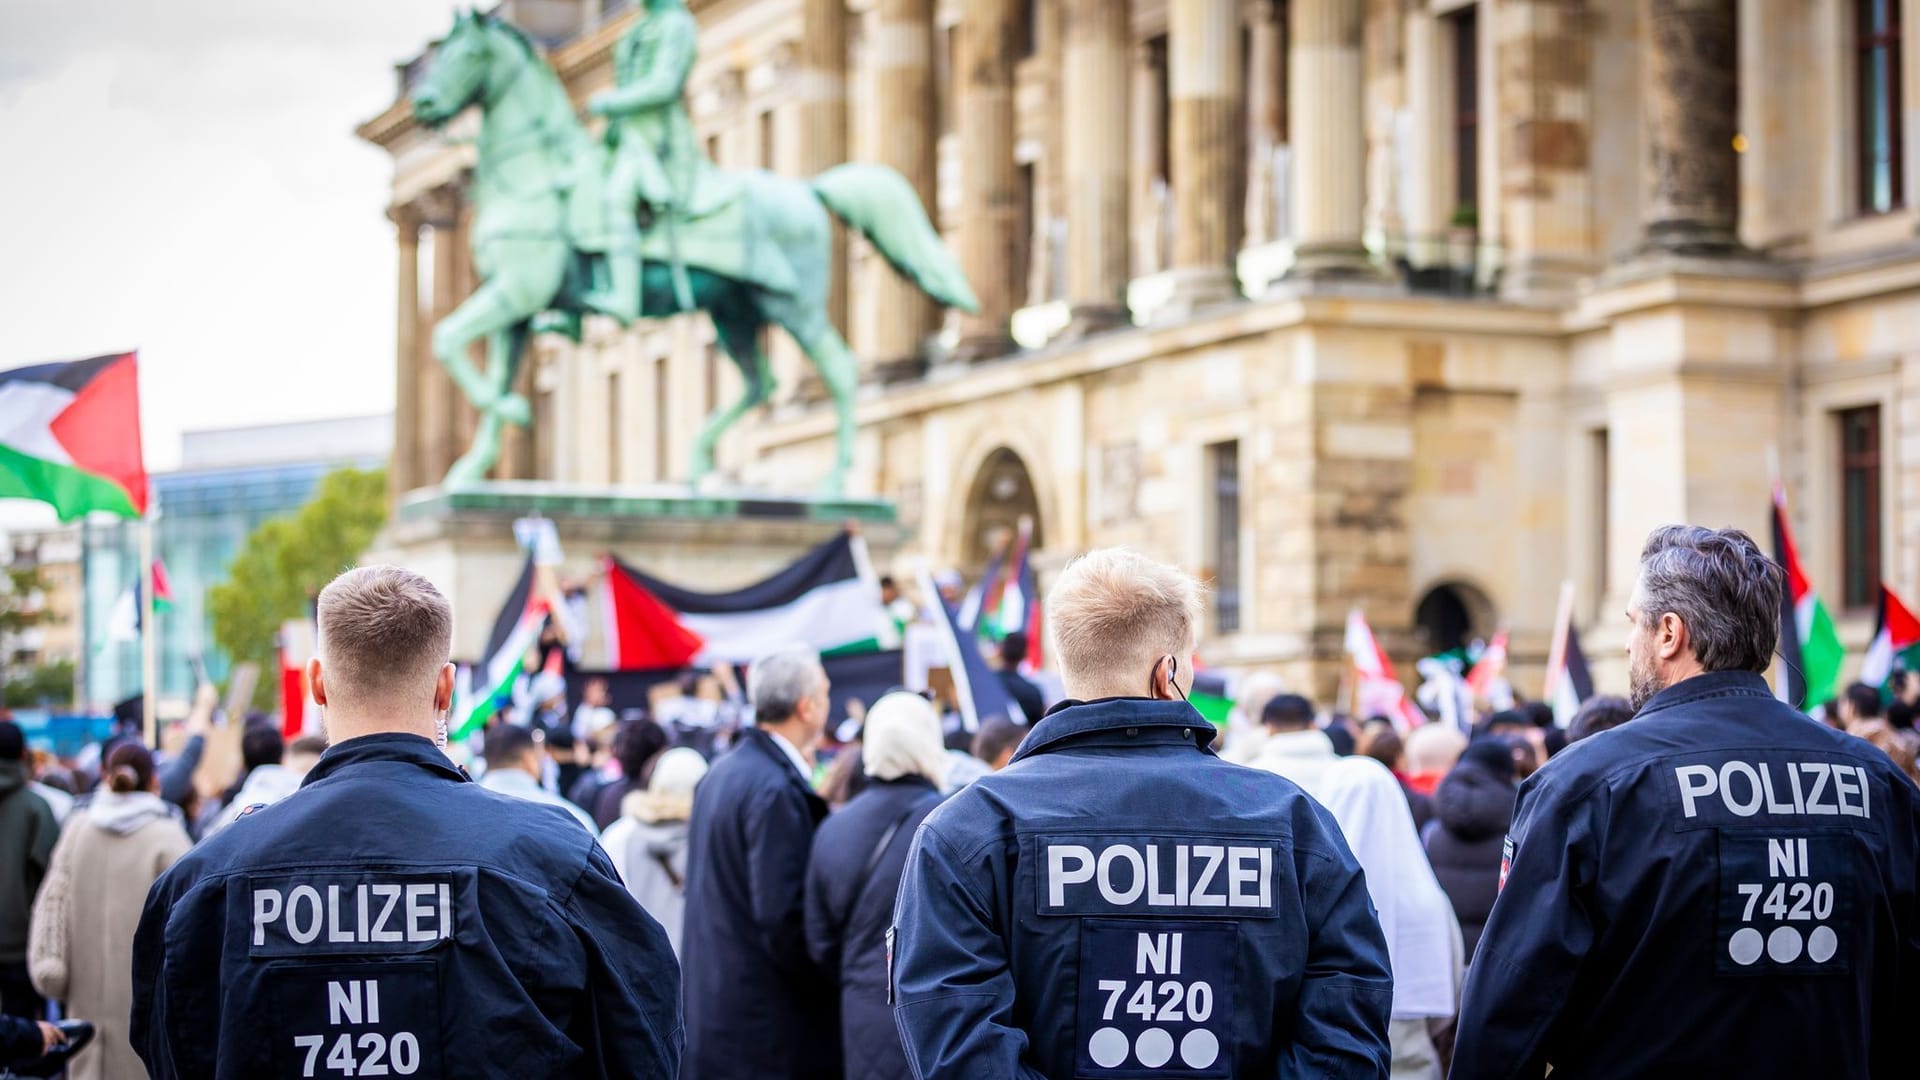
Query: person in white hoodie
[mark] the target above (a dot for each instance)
(648, 845)
(269, 783)
(1423, 937)
(84, 918)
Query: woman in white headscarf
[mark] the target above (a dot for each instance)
(854, 873)
(648, 845)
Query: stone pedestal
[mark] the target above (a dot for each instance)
(463, 540)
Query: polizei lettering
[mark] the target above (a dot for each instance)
(1790, 788)
(1103, 875)
(357, 914)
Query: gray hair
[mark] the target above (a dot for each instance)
(1723, 587)
(778, 682)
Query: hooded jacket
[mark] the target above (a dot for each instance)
(27, 835)
(651, 857)
(84, 919)
(1474, 808)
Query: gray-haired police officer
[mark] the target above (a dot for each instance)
(391, 918)
(1118, 902)
(1721, 887)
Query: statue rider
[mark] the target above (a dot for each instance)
(653, 155)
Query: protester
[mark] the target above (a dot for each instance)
(517, 951)
(991, 980)
(1474, 805)
(1516, 730)
(84, 919)
(1857, 704)
(514, 764)
(1432, 749)
(27, 835)
(747, 969)
(565, 760)
(261, 747)
(40, 767)
(1244, 732)
(635, 748)
(270, 782)
(900, 610)
(996, 742)
(1891, 742)
(1023, 691)
(1370, 805)
(594, 715)
(1718, 888)
(176, 775)
(648, 845)
(853, 876)
(1597, 714)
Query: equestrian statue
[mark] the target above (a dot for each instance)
(640, 224)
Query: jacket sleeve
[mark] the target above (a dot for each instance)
(1536, 938)
(47, 934)
(20, 1040)
(823, 924)
(1346, 989)
(176, 780)
(147, 1026)
(779, 835)
(630, 1022)
(953, 987)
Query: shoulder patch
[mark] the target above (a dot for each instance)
(1506, 861)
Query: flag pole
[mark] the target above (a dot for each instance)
(1557, 651)
(149, 637)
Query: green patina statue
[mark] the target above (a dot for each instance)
(644, 225)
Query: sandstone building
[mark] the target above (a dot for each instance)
(1419, 305)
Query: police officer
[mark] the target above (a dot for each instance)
(390, 917)
(1720, 887)
(1120, 902)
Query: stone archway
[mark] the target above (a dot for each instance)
(1451, 614)
(1001, 494)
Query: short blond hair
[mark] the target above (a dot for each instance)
(1113, 612)
(385, 633)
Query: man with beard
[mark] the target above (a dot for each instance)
(1721, 887)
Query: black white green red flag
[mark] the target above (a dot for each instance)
(70, 436)
(1896, 644)
(487, 685)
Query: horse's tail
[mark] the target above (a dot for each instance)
(884, 207)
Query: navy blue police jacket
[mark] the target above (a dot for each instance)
(394, 918)
(1722, 887)
(1119, 902)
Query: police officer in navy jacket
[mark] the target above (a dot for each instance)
(1120, 902)
(392, 918)
(1722, 887)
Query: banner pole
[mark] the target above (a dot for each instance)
(149, 637)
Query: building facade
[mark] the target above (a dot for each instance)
(1421, 306)
(230, 481)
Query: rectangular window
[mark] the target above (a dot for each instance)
(1877, 129)
(1466, 107)
(1860, 507)
(1224, 463)
(613, 427)
(1602, 518)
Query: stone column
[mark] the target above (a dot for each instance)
(900, 49)
(403, 468)
(466, 417)
(1149, 119)
(1325, 125)
(1691, 90)
(1542, 53)
(437, 434)
(1209, 178)
(1094, 115)
(990, 181)
(819, 89)
(1266, 121)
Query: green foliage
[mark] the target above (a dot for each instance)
(1465, 216)
(285, 563)
(48, 684)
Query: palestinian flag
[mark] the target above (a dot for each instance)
(981, 694)
(984, 597)
(1019, 605)
(70, 436)
(1377, 691)
(1212, 696)
(1809, 645)
(1896, 644)
(1571, 683)
(489, 684)
(829, 599)
(1492, 665)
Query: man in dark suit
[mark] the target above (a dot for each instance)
(756, 1006)
(1013, 653)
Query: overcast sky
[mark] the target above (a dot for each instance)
(182, 176)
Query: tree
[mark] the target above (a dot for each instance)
(285, 563)
(45, 684)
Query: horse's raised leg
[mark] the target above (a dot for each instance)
(839, 369)
(504, 348)
(739, 332)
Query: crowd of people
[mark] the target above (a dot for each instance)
(882, 893)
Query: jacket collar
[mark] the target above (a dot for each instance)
(764, 743)
(1713, 684)
(1073, 719)
(387, 746)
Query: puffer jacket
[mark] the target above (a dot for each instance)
(1473, 808)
